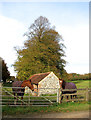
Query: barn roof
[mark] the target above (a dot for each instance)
(36, 78)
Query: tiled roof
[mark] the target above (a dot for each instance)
(36, 78)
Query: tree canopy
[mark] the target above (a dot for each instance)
(43, 51)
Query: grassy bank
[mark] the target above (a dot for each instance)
(67, 107)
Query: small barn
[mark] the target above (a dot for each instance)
(43, 82)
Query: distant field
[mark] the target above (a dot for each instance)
(82, 83)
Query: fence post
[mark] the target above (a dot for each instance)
(87, 96)
(58, 95)
(1, 100)
(29, 97)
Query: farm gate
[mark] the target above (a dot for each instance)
(29, 99)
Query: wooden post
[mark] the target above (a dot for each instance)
(87, 96)
(1, 101)
(37, 90)
(58, 95)
(29, 97)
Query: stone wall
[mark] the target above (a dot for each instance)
(29, 91)
(51, 81)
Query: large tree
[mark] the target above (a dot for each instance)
(42, 51)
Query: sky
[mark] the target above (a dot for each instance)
(71, 20)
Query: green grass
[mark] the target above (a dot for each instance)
(67, 107)
(83, 84)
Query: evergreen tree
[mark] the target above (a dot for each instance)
(4, 69)
(42, 52)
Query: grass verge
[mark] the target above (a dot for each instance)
(63, 107)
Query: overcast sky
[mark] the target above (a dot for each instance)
(71, 20)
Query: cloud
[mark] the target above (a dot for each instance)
(76, 39)
(11, 35)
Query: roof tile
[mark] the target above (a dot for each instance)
(36, 78)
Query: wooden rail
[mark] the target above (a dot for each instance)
(8, 97)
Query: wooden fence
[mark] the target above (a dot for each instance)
(7, 97)
(82, 95)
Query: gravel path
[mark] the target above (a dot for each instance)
(77, 114)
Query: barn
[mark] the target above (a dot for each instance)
(43, 82)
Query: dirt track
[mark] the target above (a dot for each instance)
(77, 114)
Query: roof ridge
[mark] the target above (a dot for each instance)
(38, 77)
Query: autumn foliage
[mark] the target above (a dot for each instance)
(43, 51)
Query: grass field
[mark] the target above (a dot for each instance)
(82, 83)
